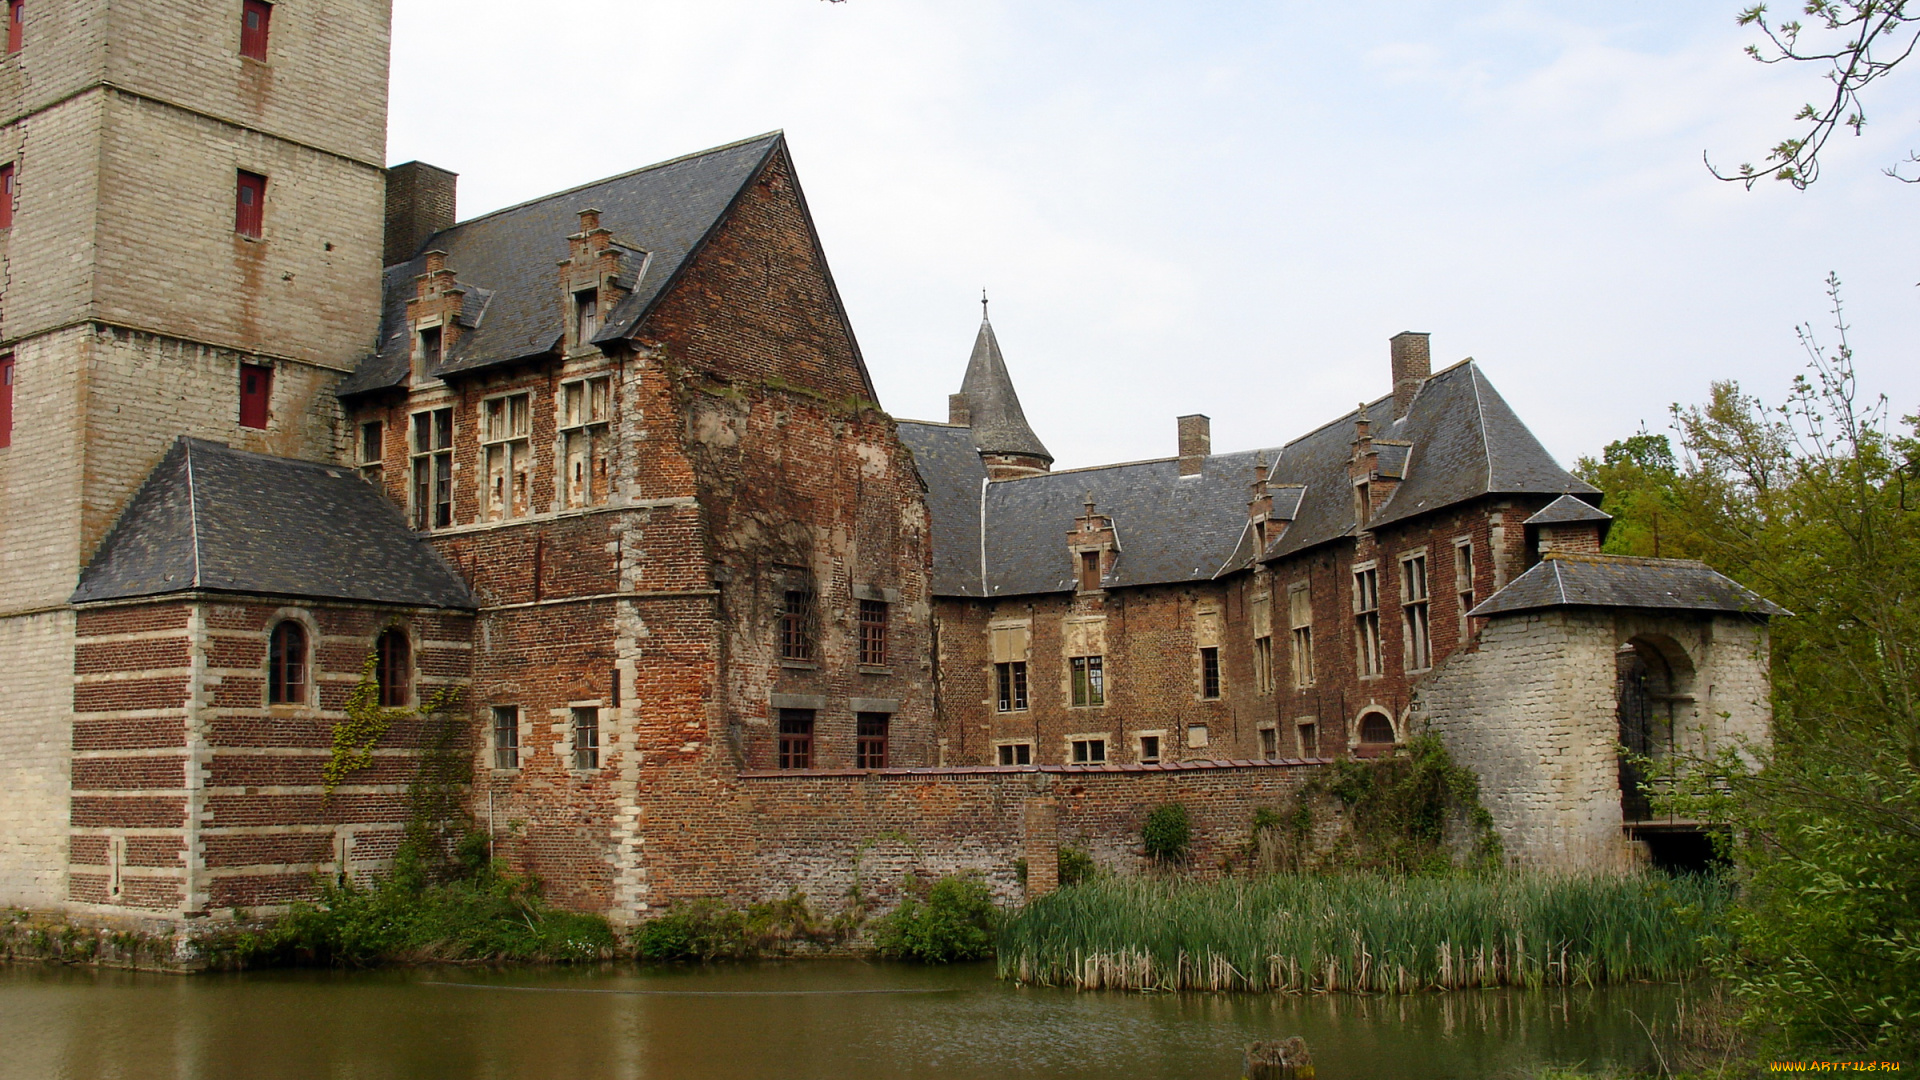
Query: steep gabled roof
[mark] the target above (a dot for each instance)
(999, 424)
(213, 519)
(1562, 579)
(659, 216)
(1567, 510)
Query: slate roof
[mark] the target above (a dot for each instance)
(1567, 510)
(1459, 440)
(999, 424)
(1564, 579)
(659, 216)
(214, 519)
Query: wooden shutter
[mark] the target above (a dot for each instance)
(6, 400)
(1261, 615)
(249, 204)
(253, 28)
(6, 196)
(256, 392)
(1009, 644)
(16, 26)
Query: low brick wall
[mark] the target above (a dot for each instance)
(825, 833)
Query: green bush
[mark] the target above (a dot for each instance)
(956, 921)
(1167, 833)
(1076, 865)
(711, 930)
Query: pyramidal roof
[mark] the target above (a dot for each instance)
(999, 425)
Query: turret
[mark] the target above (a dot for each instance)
(987, 404)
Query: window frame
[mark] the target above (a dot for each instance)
(253, 40)
(1416, 611)
(583, 723)
(1463, 568)
(512, 443)
(1089, 572)
(1300, 627)
(586, 315)
(870, 738)
(1211, 683)
(506, 736)
(1014, 753)
(250, 204)
(16, 26)
(1010, 685)
(1269, 743)
(289, 679)
(794, 735)
(875, 616)
(256, 405)
(1369, 661)
(1088, 678)
(1081, 748)
(585, 426)
(797, 624)
(9, 191)
(9, 373)
(393, 667)
(430, 474)
(1306, 736)
(1366, 717)
(1152, 754)
(373, 436)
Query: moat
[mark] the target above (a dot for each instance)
(826, 1019)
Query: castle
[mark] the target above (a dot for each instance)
(607, 470)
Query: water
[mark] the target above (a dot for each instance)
(793, 1021)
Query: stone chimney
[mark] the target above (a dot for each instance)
(1412, 366)
(1196, 442)
(420, 202)
(959, 413)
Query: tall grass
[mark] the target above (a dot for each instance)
(1299, 933)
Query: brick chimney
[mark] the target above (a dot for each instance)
(1412, 366)
(959, 411)
(420, 202)
(1196, 442)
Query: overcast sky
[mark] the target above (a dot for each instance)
(1229, 208)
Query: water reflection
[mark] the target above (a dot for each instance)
(843, 1020)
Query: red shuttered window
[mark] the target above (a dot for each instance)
(249, 204)
(16, 27)
(253, 28)
(6, 400)
(256, 392)
(6, 196)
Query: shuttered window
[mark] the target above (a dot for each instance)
(249, 203)
(253, 28)
(16, 25)
(256, 394)
(6, 401)
(6, 196)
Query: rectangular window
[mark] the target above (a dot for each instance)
(870, 747)
(1309, 740)
(873, 633)
(1210, 673)
(507, 455)
(1197, 737)
(1463, 573)
(586, 738)
(1269, 743)
(796, 738)
(433, 469)
(1016, 753)
(1012, 679)
(253, 28)
(1413, 608)
(6, 196)
(432, 340)
(1089, 751)
(586, 316)
(1366, 619)
(1263, 664)
(6, 401)
(16, 25)
(373, 448)
(1089, 571)
(1149, 749)
(796, 625)
(256, 394)
(1089, 680)
(1300, 618)
(506, 736)
(585, 412)
(249, 204)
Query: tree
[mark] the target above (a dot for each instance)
(1644, 494)
(1860, 42)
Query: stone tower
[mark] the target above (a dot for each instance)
(192, 246)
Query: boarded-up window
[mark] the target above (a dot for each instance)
(6, 196)
(1366, 618)
(506, 424)
(256, 394)
(1463, 574)
(253, 28)
(1260, 614)
(1010, 643)
(1413, 604)
(6, 401)
(249, 204)
(1300, 620)
(585, 409)
(16, 25)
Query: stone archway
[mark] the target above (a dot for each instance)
(1653, 678)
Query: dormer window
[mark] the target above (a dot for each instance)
(586, 316)
(1089, 571)
(16, 25)
(430, 338)
(253, 28)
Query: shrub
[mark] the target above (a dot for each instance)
(711, 930)
(1076, 865)
(956, 921)
(1167, 833)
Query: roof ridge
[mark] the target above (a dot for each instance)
(193, 511)
(1480, 414)
(1622, 560)
(776, 133)
(1342, 418)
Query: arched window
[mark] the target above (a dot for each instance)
(393, 668)
(287, 665)
(1376, 728)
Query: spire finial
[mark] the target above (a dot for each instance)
(983, 305)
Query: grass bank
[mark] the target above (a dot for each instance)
(1299, 933)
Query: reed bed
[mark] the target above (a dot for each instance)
(1363, 934)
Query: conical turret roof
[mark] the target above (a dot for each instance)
(999, 425)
